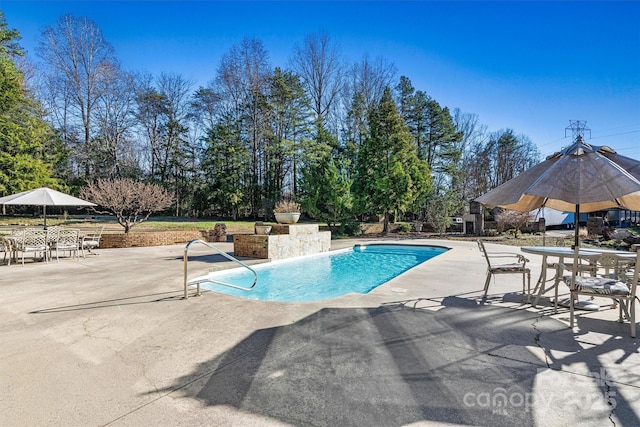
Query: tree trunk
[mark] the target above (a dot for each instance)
(385, 227)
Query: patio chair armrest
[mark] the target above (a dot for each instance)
(520, 257)
(503, 254)
(560, 267)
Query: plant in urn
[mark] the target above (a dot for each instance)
(287, 211)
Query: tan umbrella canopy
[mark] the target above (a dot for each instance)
(630, 165)
(43, 197)
(581, 178)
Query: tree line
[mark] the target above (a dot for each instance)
(348, 140)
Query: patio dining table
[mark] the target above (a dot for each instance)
(562, 252)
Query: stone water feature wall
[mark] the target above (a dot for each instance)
(284, 241)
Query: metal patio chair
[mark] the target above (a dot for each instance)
(33, 240)
(66, 240)
(7, 247)
(518, 266)
(91, 241)
(615, 278)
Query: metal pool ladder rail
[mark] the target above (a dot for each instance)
(224, 254)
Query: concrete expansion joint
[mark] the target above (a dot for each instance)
(609, 393)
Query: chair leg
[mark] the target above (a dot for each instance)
(571, 308)
(620, 318)
(632, 317)
(539, 288)
(556, 285)
(486, 283)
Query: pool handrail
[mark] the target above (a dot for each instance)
(224, 254)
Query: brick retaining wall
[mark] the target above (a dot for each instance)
(151, 238)
(162, 238)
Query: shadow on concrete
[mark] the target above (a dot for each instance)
(206, 258)
(391, 365)
(133, 300)
(218, 259)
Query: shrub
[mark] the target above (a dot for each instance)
(286, 206)
(350, 229)
(404, 228)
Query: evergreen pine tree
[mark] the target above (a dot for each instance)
(389, 176)
(29, 149)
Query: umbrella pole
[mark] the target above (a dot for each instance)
(576, 227)
(44, 212)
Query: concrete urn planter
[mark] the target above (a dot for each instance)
(287, 217)
(263, 229)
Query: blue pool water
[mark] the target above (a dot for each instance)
(325, 276)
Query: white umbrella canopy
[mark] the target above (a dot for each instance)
(581, 178)
(43, 197)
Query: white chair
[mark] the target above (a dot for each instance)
(91, 241)
(519, 266)
(33, 240)
(66, 240)
(615, 277)
(6, 246)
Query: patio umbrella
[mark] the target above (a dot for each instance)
(43, 197)
(580, 178)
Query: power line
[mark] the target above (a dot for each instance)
(580, 126)
(552, 142)
(618, 127)
(616, 134)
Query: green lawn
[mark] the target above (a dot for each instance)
(154, 223)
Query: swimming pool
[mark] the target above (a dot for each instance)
(329, 275)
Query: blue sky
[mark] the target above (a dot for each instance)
(529, 66)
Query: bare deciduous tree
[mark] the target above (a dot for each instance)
(495, 159)
(243, 81)
(363, 89)
(132, 202)
(318, 63)
(152, 114)
(81, 63)
(113, 148)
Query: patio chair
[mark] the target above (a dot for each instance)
(33, 240)
(615, 278)
(91, 241)
(52, 235)
(518, 266)
(6, 246)
(66, 240)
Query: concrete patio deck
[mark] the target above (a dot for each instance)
(110, 341)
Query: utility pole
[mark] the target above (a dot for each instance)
(578, 128)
